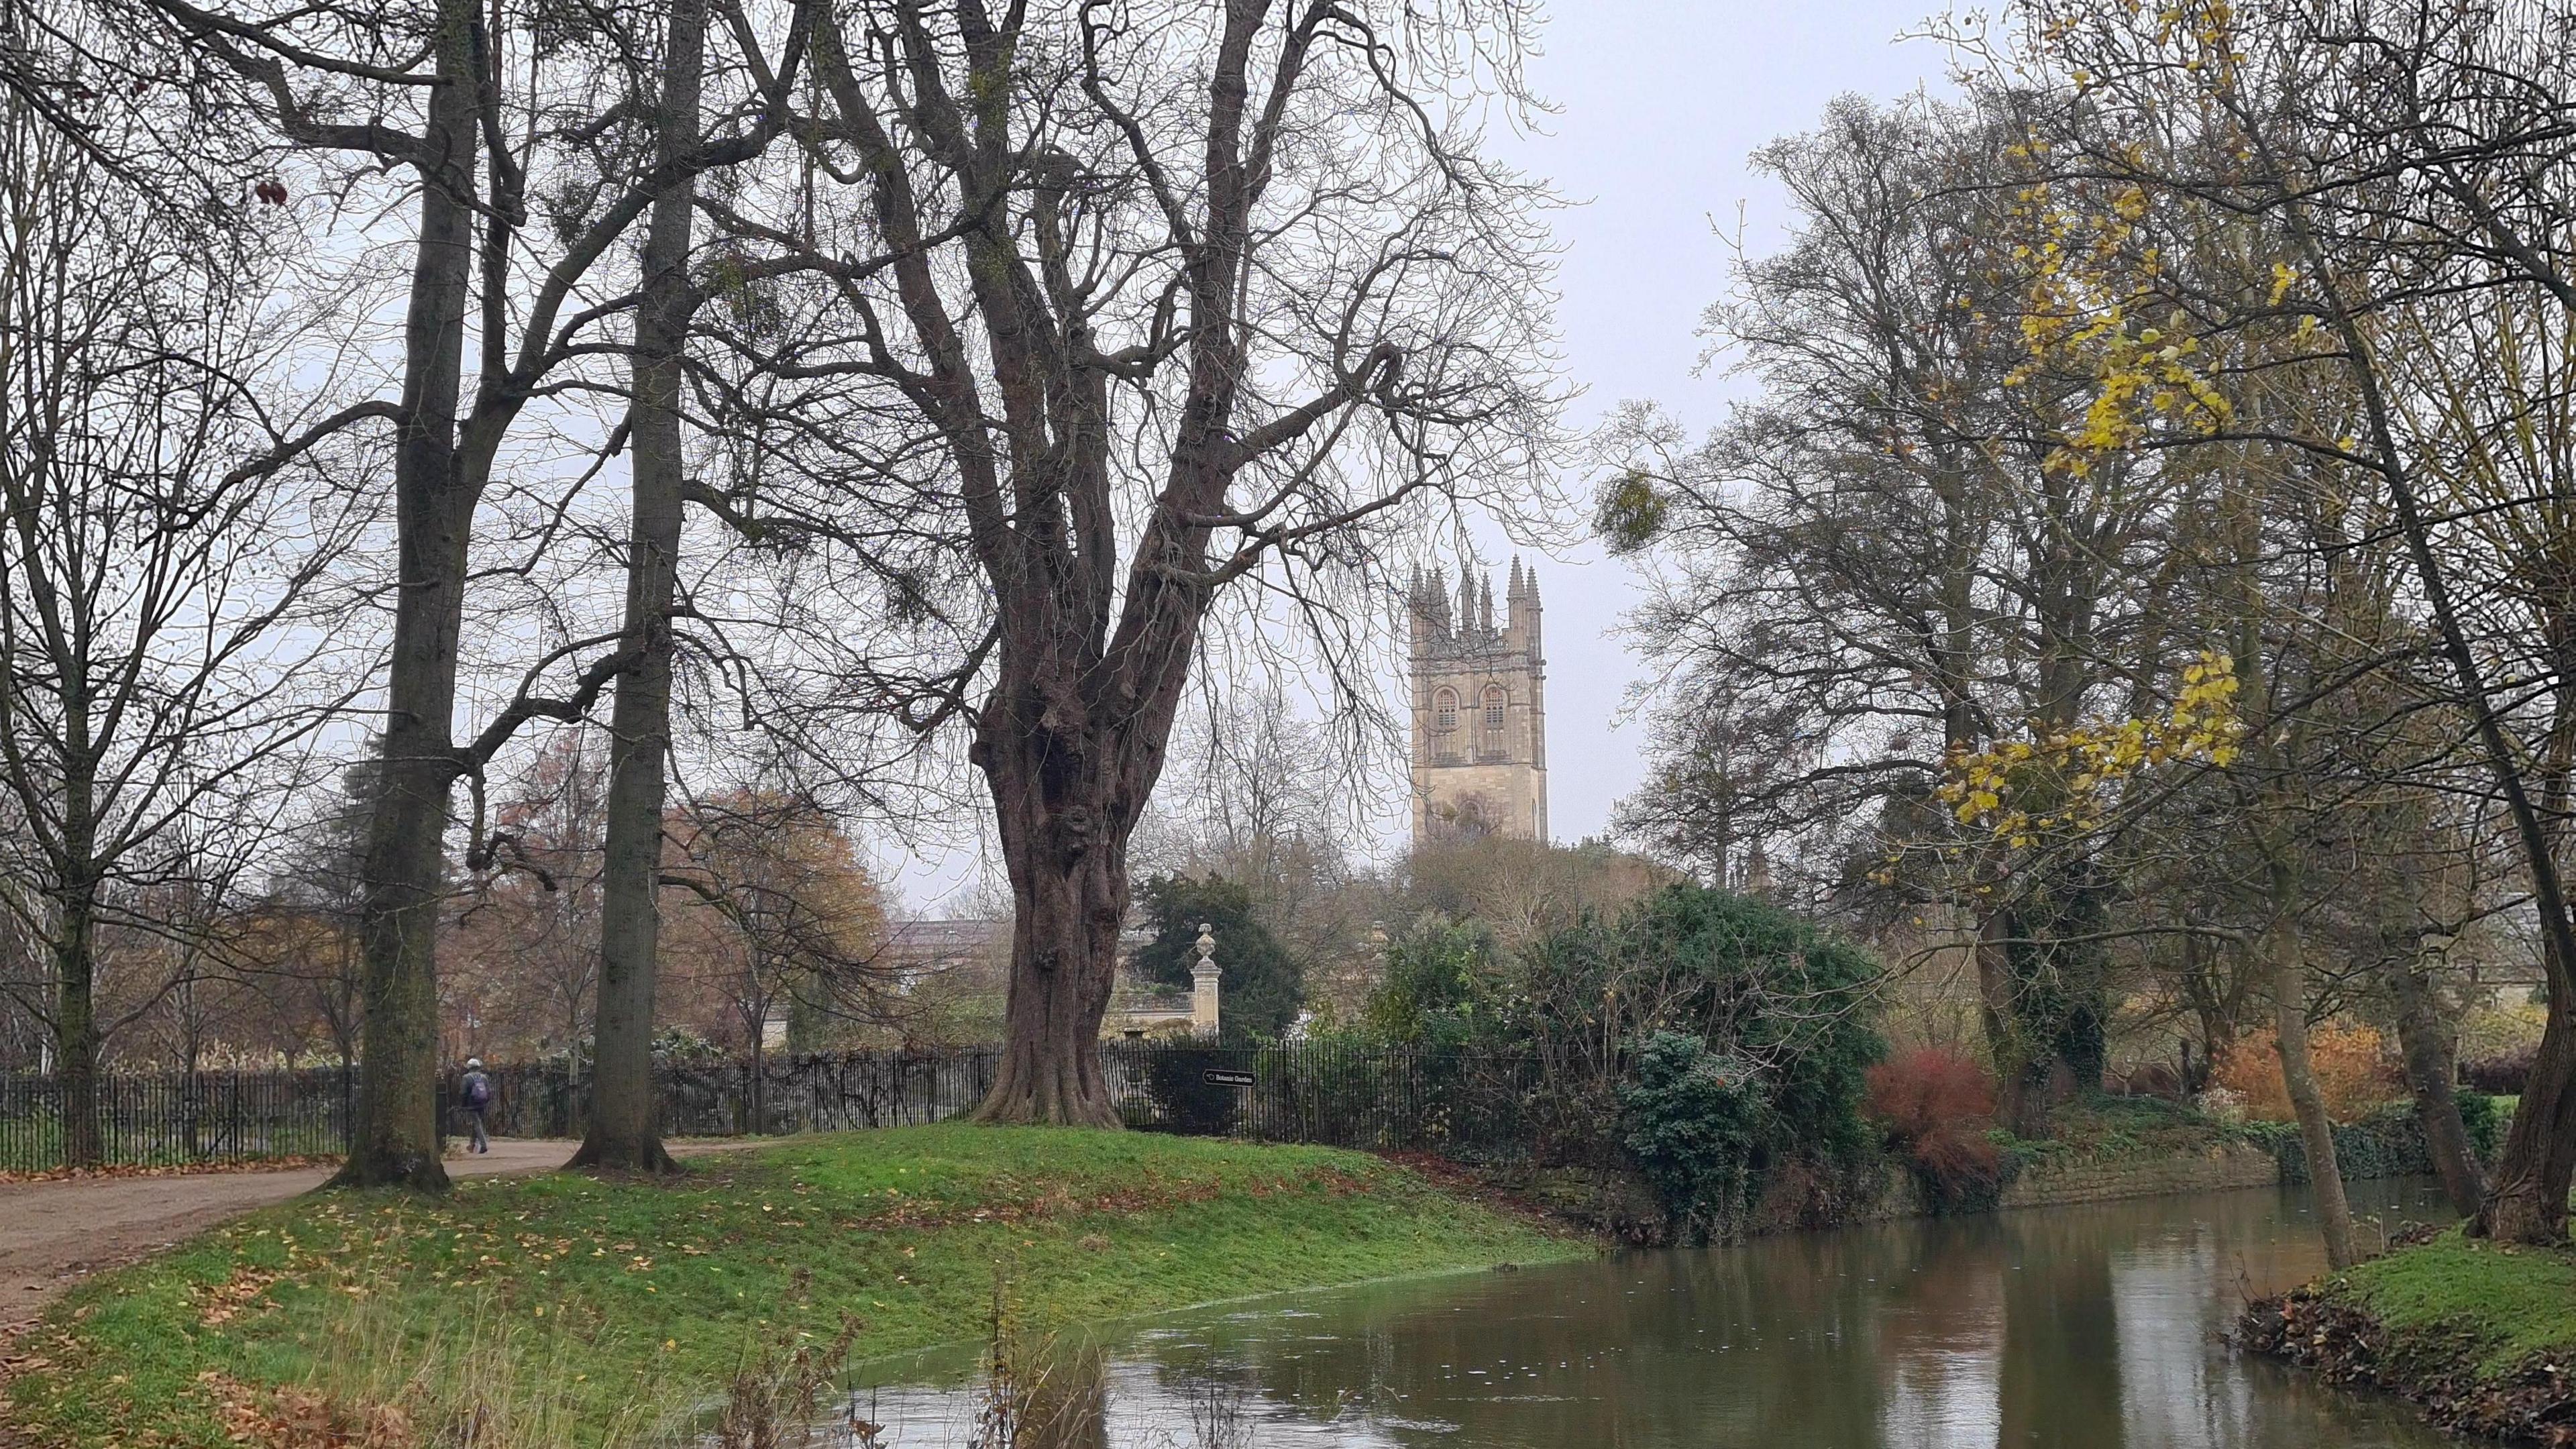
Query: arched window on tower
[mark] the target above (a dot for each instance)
(1495, 700)
(1444, 711)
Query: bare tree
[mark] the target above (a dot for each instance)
(621, 1132)
(162, 666)
(441, 96)
(1132, 305)
(2397, 159)
(785, 920)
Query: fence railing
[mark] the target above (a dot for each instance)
(1326, 1093)
(1336, 1095)
(176, 1119)
(818, 1092)
(1380, 1097)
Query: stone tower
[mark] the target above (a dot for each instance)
(1479, 710)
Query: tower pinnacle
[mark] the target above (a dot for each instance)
(1479, 708)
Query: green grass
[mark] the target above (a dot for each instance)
(602, 1306)
(2473, 1301)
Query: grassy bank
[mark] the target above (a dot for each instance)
(2484, 1337)
(577, 1311)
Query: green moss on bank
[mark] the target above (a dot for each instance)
(2492, 1308)
(2482, 1336)
(596, 1311)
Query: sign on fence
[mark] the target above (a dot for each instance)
(1219, 1077)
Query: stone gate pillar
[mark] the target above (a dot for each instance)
(1203, 978)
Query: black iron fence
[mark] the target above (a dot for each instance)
(174, 1119)
(1329, 1093)
(817, 1092)
(1466, 1104)
(1471, 1105)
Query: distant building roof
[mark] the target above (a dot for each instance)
(944, 940)
(927, 942)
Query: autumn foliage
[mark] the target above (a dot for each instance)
(1935, 1106)
(2353, 1066)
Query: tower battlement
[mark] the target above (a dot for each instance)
(1479, 708)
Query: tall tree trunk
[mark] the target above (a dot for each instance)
(1065, 846)
(622, 1132)
(2527, 1198)
(2428, 1076)
(397, 1138)
(2021, 1071)
(76, 1035)
(75, 945)
(2287, 950)
(2080, 1043)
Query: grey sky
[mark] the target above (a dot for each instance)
(1658, 103)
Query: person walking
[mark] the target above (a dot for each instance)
(476, 1094)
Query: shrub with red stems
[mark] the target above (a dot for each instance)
(1935, 1106)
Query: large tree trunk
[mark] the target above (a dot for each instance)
(397, 1137)
(2527, 1198)
(2316, 1131)
(2081, 1042)
(2021, 1071)
(77, 1038)
(1064, 843)
(2428, 1076)
(622, 1132)
(76, 1035)
(2527, 1201)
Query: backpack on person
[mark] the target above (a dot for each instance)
(478, 1090)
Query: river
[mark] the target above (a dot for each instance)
(2090, 1327)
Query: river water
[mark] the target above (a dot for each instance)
(2092, 1327)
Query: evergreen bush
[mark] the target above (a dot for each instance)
(1695, 1122)
(1585, 1028)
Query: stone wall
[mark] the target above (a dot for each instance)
(2214, 1169)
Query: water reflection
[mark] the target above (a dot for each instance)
(2094, 1327)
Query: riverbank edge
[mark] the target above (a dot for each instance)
(2107, 1151)
(1619, 1208)
(2489, 1351)
(147, 1354)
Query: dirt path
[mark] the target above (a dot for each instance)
(53, 1234)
